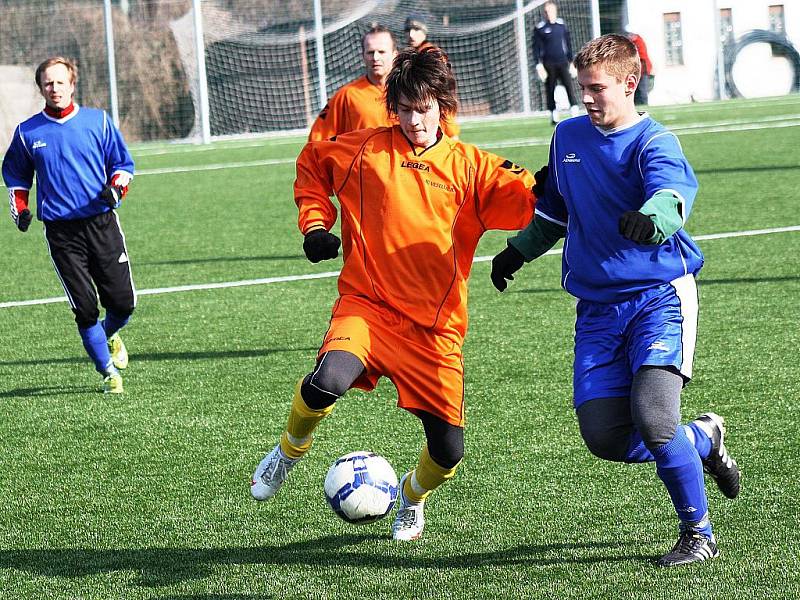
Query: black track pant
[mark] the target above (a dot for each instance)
(557, 72)
(91, 260)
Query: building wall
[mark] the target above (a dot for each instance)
(756, 72)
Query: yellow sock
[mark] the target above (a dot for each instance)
(426, 477)
(296, 440)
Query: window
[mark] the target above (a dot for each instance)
(726, 26)
(673, 39)
(777, 22)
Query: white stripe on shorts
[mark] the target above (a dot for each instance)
(686, 290)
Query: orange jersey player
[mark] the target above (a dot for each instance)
(356, 105)
(414, 204)
(359, 104)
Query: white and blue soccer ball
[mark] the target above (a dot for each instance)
(361, 487)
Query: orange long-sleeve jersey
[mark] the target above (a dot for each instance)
(359, 105)
(356, 105)
(411, 218)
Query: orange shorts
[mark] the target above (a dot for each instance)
(426, 368)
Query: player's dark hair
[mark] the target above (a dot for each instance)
(56, 60)
(421, 76)
(376, 28)
(616, 53)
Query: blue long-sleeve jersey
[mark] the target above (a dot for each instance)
(596, 176)
(72, 159)
(551, 42)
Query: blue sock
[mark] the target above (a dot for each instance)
(679, 467)
(96, 344)
(701, 440)
(638, 452)
(113, 323)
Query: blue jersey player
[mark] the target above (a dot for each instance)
(82, 169)
(619, 191)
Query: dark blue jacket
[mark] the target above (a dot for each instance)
(551, 43)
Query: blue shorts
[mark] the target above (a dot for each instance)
(613, 341)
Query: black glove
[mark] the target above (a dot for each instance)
(24, 220)
(541, 177)
(636, 227)
(111, 195)
(321, 245)
(504, 265)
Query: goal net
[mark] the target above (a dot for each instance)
(264, 70)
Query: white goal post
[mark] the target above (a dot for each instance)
(272, 74)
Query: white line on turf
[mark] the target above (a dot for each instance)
(688, 129)
(328, 274)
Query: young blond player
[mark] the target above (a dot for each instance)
(619, 191)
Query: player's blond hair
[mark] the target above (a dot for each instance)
(57, 60)
(421, 76)
(616, 53)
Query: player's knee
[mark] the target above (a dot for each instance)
(607, 444)
(335, 373)
(121, 309)
(315, 396)
(657, 432)
(86, 316)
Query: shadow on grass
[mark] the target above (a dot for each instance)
(535, 291)
(166, 566)
(749, 168)
(164, 356)
(52, 390)
(218, 259)
(733, 280)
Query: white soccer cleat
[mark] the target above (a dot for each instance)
(410, 519)
(270, 474)
(119, 354)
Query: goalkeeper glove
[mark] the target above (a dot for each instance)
(321, 245)
(541, 177)
(541, 72)
(636, 227)
(23, 220)
(504, 265)
(111, 195)
(573, 71)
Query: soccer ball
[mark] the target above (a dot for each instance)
(361, 487)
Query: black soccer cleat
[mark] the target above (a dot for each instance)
(719, 464)
(692, 546)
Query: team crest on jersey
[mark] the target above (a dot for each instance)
(38, 144)
(415, 165)
(514, 168)
(571, 157)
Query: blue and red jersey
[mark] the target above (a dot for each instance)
(73, 158)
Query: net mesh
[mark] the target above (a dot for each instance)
(261, 61)
(266, 78)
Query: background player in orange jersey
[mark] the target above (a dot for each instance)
(414, 204)
(359, 104)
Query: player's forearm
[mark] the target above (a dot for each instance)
(537, 238)
(665, 209)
